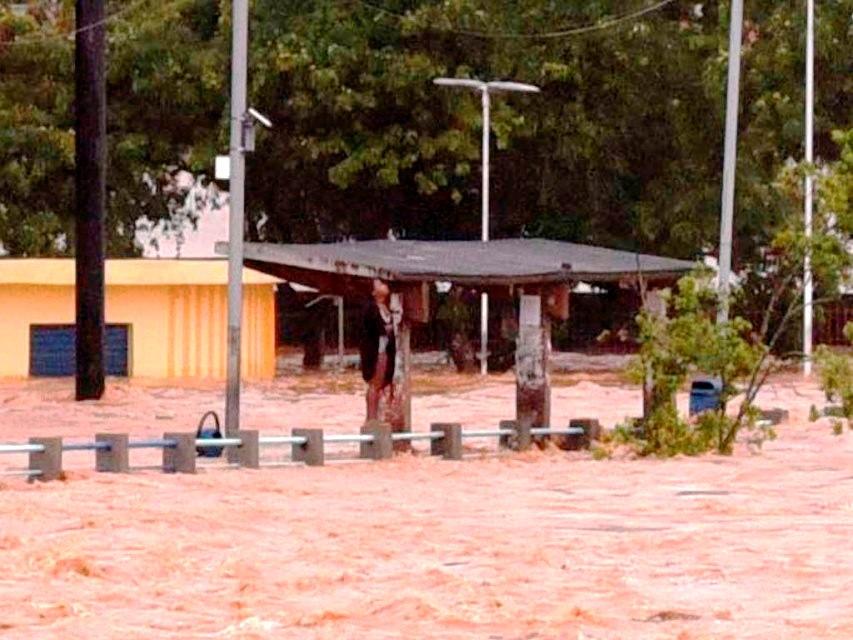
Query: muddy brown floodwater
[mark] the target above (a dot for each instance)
(497, 546)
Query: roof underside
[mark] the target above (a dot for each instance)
(499, 262)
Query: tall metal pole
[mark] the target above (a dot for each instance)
(90, 196)
(730, 157)
(484, 297)
(808, 287)
(239, 55)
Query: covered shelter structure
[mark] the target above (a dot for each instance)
(538, 273)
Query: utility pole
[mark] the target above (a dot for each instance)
(90, 196)
(237, 187)
(808, 285)
(730, 157)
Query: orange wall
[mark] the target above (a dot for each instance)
(175, 331)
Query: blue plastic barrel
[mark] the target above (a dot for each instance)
(705, 395)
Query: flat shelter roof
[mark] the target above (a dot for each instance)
(126, 272)
(498, 262)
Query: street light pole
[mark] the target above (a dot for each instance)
(484, 297)
(808, 285)
(485, 89)
(730, 157)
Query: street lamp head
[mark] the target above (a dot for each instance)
(500, 85)
(479, 85)
(460, 82)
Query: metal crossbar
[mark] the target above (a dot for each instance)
(218, 442)
(86, 446)
(335, 438)
(546, 431)
(282, 440)
(433, 435)
(486, 433)
(21, 448)
(152, 444)
(26, 473)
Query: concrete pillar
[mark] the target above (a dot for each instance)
(249, 451)
(312, 453)
(654, 304)
(49, 461)
(116, 458)
(399, 411)
(382, 446)
(450, 446)
(532, 364)
(181, 458)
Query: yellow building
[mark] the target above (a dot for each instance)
(165, 318)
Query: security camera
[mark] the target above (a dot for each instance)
(260, 117)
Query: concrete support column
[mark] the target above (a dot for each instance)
(532, 364)
(399, 412)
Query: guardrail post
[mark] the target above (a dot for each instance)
(49, 461)
(312, 453)
(450, 446)
(249, 450)
(180, 458)
(591, 431)
(115, 459)
(382, 446)
(520, 439)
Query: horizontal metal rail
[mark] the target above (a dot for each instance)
(86, 446)
(486, 433)
(152, 444)
(218, 442)
(546, 431)
(282, 440)
(21, 448)
(410, 437)
(23, 473)
(339, 438)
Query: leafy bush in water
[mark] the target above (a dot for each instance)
(836, 374)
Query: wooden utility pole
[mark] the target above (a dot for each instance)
(90, 195)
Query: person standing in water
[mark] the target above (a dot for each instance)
(378, 347)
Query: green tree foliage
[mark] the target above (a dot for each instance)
(623, 147)
(688, 339)
(165, 103)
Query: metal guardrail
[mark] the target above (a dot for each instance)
(218, 442)
(335, 438)
(21, 448)
(411, 437)
(86, 446)
(545, 431)
(281, 440)
(156, 443)
(488, 433)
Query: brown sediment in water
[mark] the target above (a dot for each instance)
(542, 544)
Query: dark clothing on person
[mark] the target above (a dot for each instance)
(375, 328)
